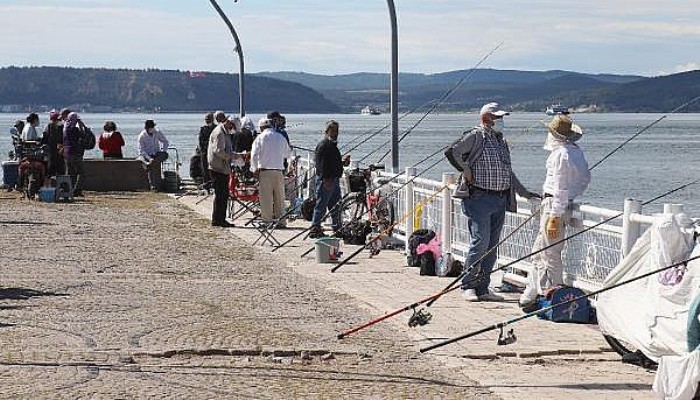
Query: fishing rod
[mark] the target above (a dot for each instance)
(511, 321)
(423, 313)
(390, 194)
(686, 104)
(452, 286)
(443, 98)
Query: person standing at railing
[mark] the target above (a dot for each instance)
(219, 156)
(267, 157)
(567, 178)
(329, 168)
(487, 187)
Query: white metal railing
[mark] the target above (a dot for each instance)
(588, 257)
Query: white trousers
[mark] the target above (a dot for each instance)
(271, 194)
(549, 270)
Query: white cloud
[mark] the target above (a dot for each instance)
(639, 36)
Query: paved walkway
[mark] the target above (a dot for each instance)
(548, 361)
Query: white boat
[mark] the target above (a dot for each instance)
(556, 109)
(369, 110)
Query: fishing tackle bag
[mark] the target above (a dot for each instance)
(355, 232)
(88, 139)
(307, 208)
(579, 311)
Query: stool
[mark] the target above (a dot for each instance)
(64, 188)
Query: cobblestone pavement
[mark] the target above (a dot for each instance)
(135, 296)
(548, 361)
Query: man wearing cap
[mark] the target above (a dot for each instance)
(267, 157)
(329, 168)
(219, 155)
(153, 150)
(567, 178)
(487, 187)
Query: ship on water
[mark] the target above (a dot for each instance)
(556, 109)
(369, 110)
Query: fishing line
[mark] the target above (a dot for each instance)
(442, 99)
(503, 324)
(645, 129)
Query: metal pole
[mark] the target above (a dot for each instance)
(394, 88)
(239, 50)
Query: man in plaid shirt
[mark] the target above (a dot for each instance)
(487, 188)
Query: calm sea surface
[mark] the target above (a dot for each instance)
(663, 157)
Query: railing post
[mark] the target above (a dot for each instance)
(630, 229)
(408, 203)
(310, 183)
(446, 234)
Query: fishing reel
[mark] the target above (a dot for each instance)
(419, 318)
(506, 339)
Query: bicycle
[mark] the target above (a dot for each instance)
(365, 209)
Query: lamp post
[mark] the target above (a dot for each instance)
(394, 88)
(239, 50)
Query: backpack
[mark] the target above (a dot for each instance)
(307, 208)
(579, 311)
(416, 238)
(89, 140)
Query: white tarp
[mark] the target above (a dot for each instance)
(652, 313)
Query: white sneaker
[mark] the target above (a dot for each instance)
(491, 296)
(470, 295)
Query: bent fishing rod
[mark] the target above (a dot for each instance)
(511, 321)
(453, 285)
(675, 110)
(393, 192)
(441, 99)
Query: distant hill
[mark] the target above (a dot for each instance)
(164, 90)
(518, 90)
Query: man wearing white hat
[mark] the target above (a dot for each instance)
(567, 178)
(487, 188)
(267, 161)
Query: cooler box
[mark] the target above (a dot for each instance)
(48, 194)
(10, 174)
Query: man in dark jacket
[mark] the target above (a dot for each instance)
(329, 169)
(74, 149)
(204, 133)
(53, 138)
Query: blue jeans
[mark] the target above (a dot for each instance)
(326, 199)
(486, 215)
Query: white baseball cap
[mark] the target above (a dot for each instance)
(493, 108)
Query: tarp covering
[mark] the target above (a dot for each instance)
(651, 314)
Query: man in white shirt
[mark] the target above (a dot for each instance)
(267, 156)
(153, 150)
(567, 178)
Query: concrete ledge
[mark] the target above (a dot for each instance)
(125, 175)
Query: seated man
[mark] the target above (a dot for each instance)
(153, 150)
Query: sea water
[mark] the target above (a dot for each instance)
(661, 158)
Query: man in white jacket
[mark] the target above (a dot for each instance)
(567, 178)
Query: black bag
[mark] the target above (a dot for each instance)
(196, 167)
(307, 208)
(416, 238)
(451, 268)
(355, 232)
(89, 140)
(427, 263)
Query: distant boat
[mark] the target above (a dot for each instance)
(369, 110)
(556, 109)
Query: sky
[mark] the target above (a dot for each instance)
(640, 37)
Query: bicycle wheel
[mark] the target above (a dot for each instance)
(352, 209)
(384, 215)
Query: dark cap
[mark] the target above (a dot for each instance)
(274, 114)
(150, 124)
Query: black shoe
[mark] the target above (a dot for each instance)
(315, 232)
(224, 224)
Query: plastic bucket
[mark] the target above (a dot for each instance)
(48, 195)
(327, 250)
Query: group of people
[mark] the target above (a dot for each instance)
(64, 137)
(226, 140)
(488, 185)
